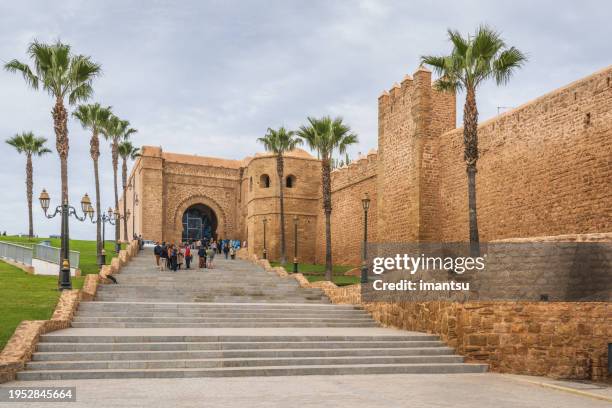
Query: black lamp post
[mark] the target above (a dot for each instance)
(265, 252)
(65, 211)
(107, 217)
(365, 202)
(295, 243)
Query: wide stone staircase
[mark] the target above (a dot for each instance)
(234, 320)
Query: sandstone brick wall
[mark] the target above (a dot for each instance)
(560, 340)
(410, 115)
(349, 185)
(545, 167)
(302, 201)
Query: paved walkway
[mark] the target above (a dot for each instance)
(350, 391)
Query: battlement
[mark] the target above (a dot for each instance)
(364, 167)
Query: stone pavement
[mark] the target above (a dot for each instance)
(350, 391)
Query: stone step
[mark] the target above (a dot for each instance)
(416, 349)
(63, 338)
(240, 314)
(322, 308)
(254, 371)
(424, 346)
(174, 319)
(219, 299)
(239, 362)
(228, 324)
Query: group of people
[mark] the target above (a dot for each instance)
(172, 257)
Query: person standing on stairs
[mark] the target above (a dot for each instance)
(163, 265)
(187, 256)
(210, 256)
(157, 253)
(202, 257)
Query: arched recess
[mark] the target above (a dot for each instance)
(177, 218)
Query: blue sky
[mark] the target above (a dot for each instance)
(209, 77)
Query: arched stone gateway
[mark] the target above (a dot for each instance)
(199, 222)
(199, 216)
(175, 197)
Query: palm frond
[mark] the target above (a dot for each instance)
(26, 72)
(508, 61)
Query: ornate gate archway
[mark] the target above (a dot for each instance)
(199, 222)
(207, 207)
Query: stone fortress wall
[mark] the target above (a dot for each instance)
(545, 169)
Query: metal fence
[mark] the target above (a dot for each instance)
(53, 255)
(15, 252)
(24, 254)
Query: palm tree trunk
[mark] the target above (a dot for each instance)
(470, 140)
(279, 171)
(29, 188)
(94, 150)
(60, 125)
(327, 208)
(124, 183)
(115, 154)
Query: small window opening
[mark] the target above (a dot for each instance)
(290, 181)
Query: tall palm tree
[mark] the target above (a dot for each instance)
(325, 136)
(116, 130)
(472, 61)
(62, 74)
(30, 145)
(279, 142)
(94, 118)
(127, 151)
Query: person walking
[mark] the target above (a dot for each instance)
(226, 249)
(187, 256)
(202, 257)
(163, 254)
(157, 253)
(173, 257)
(180, 255)
(210, 256)
(232, 253)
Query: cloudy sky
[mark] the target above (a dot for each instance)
(209, 77)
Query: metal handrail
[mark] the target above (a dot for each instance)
(16, 252)
(53, 255)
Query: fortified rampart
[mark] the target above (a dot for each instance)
(349, 185)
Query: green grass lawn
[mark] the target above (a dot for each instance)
(26, 297)
(316, 272)
(87, 262)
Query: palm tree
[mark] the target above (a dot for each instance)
(472, 61)
(62, 75)
(116, 130)
(279, 142)
(127, 151)
(30, 145)
(326, 135)
(94, 118)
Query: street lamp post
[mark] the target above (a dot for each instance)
(265, 252)
(365, 202)
(107, 217)
(295, 244)
(65, 210)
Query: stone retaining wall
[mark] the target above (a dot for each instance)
(556, 339)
